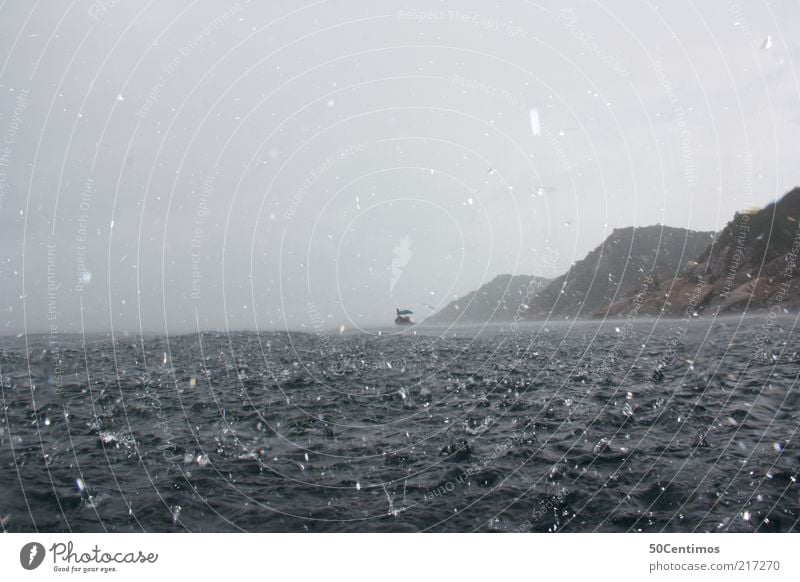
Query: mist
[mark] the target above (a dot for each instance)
(177, 166)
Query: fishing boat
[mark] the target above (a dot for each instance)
(403, 317)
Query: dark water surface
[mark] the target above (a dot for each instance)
(690, 426)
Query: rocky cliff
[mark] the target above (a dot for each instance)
(617, 268)
(750, 266)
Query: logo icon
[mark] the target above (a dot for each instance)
(402, 256)
(31, 555)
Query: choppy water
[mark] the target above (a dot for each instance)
(589, 427)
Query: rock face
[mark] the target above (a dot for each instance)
(617, 268)
(751, 265)
(498, 300)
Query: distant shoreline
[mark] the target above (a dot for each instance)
(390, 330)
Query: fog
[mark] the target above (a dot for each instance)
(173, 166)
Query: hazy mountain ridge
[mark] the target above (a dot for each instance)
(617, 267)
(498, 300)
(613, 269)
(750, 266)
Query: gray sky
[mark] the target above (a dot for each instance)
(304, 164)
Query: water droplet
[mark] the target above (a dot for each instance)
(176, 513)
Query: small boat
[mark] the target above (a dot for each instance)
(403, 317)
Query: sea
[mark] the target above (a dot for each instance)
(641, 425)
